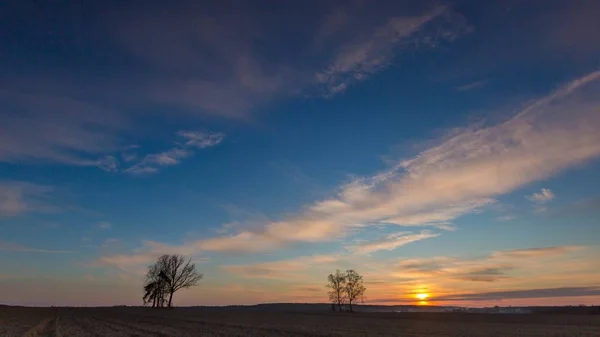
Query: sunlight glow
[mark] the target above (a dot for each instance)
(422, 296)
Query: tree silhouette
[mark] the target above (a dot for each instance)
(180, 274)
(336, 284)
(166, 276)
(155, 287)
(354, 287)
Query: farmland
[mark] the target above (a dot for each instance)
(21, 321)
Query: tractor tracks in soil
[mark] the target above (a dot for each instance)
(47, 327)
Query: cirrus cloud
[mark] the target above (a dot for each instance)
(460, 175)
(392, 242)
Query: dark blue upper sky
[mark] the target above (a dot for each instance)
(265, 136)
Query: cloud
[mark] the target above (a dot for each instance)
(494, 267)
(226, 74)
(129, 157)
(191, 140)
(524, 294)
(131, 263)
(12, 247)
(20, 197)
(111, 242)
(291, 269)
(48, 127)
(374, 49)
(484, 274)
(461, 175)
(104, 225)
(152, 162)
(201, 139)
(109, 164)
(535, 252)
(391, 242)
(541, 197)
(223, 76)
(439, 218)
(244, 242)
(334, 23)
(136, 263)
(472, 85)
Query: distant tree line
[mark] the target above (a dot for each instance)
(345, 288)
(167, 275)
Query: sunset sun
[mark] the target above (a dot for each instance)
(422, 296)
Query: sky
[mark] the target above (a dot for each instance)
(440, 147)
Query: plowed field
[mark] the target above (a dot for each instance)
(76, 322)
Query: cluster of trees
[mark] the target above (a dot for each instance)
(167, 275)
(345, 288)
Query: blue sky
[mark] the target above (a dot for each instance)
(447, 147)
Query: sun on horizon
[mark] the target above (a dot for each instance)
(422, 296)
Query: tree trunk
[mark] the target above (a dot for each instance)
(170, 298)
(350, 303)
(154, 301)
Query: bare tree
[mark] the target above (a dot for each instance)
(180, 273)
(336, 284)
(167, 275)
(354, 287)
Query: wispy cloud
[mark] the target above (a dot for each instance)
(152, 162)
(104, 225)
(472, 85)
(192, 140)
(371, 51)
(12, 247)
(19, 197)
(55, 128)
(201, 139)
(460, 175)
(543, 196)
(525, 294)
(391, 242)
(484, 274)
(291, 269)
(535, 252)
(225, 75)
(136, 263)
(540, 199)
(492, 268)
(506, 218)
(110, 242)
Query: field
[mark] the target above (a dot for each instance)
(67, 322)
